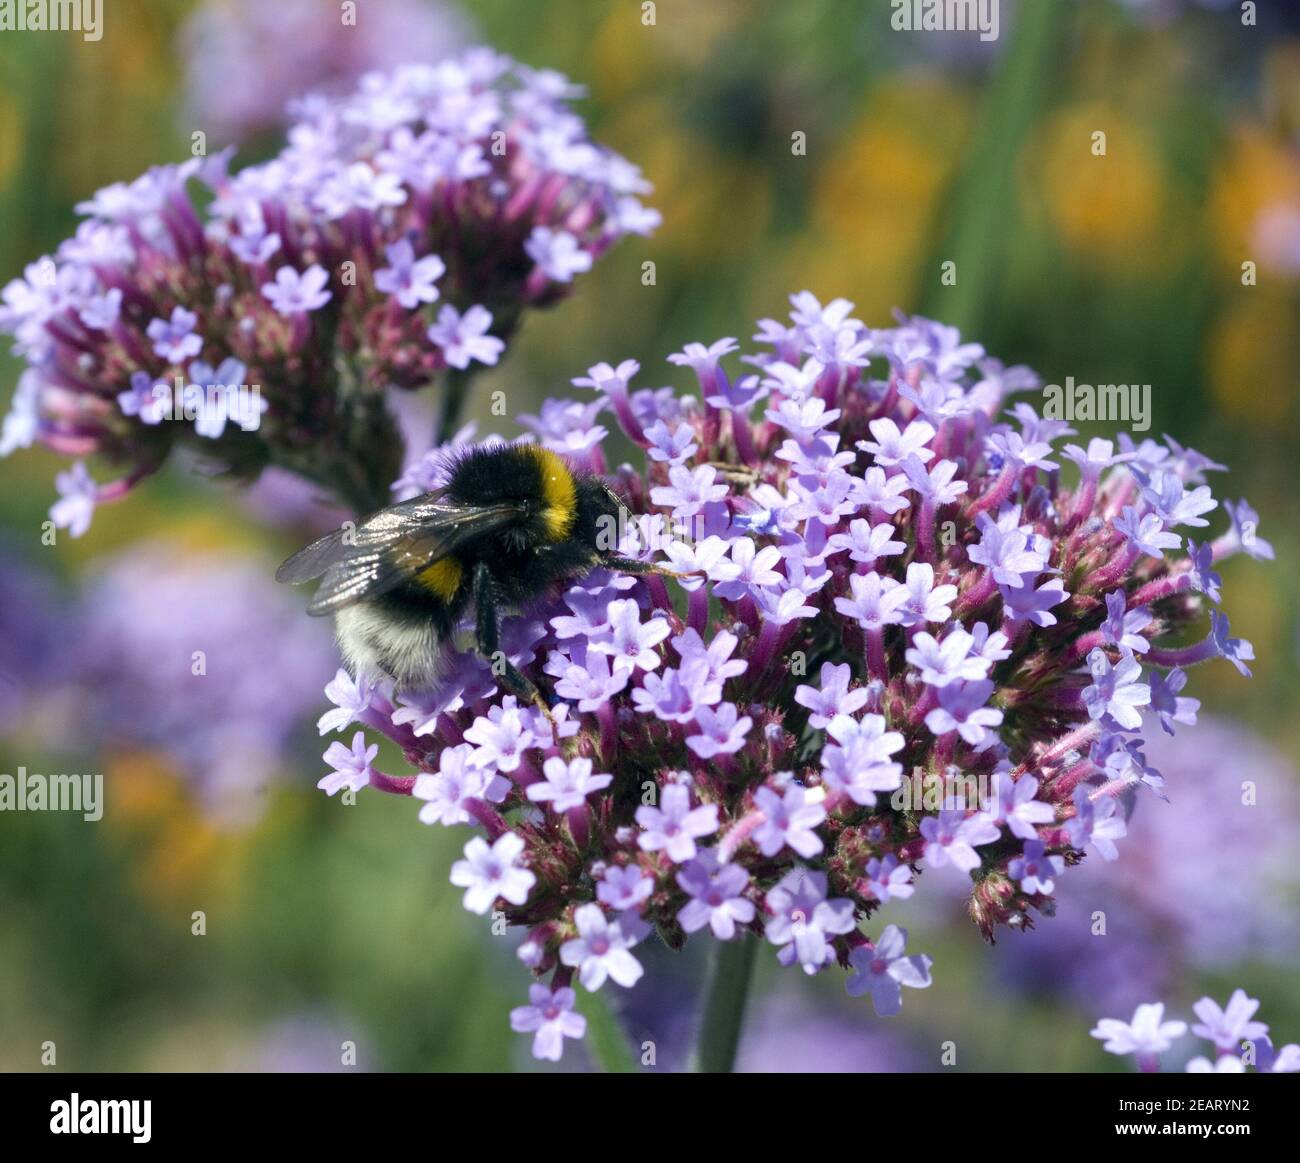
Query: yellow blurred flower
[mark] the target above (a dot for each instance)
(1250, 357)
(877, 194)
(179, 856)
(1119, 211)
(1257, 176)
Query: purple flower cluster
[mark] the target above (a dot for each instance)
(1239, 1040)
(401, 232)
(203, 659)
(239, 80)
(906, 641)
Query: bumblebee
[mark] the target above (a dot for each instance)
(512, 522)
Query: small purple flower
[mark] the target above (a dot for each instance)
(1016, 808)
(675, 826)
(550, 1018)
(1228, 1027)
(557, 253)
(1115, 690)
(351, 697)
(502, 736)
(891, 447)
(946, 662)
(788, 820)
(174, 339)
(670, 445)
(624, 888)
(923, 601)
(465, 338)
(1200, 570)
(409, 280)
(1245, 525)
(1123, 627)
(601, 948)
(888, 880)
(1236, 650)
(78, 495)
(717, 896)
(1096, 822)
(450, 791)
(487, 873)
(1035, 869)
(952, 837)
(567, 784)
(833, 697)
(1147, 1033)
(629, 642)
(865, 542)
(293, 293)
(351, 765)
(803, 920)
(883, 969)
(1008, 553)
(722, 731)
(1169, 706)
(1146, 533)
(689, 491)
(962, 709)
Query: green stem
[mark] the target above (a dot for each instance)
(982, 228)
(724, 1004)
(605, 1040)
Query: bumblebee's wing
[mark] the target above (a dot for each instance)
(389, 548)
(312, 561)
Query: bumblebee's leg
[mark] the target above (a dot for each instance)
(487, 641)
(630, 565)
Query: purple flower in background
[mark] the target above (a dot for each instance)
(403, 176)
(203, 660)
(464, 338)
(408, 279)
(296, 291)
(240, 81)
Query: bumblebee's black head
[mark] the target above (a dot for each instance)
(557, 505)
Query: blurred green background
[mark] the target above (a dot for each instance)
(326, 923)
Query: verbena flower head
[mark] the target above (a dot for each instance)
(402, 231)
(910, 640)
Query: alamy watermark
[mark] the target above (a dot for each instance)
(30, 791)
(1118, 403)
(946, 16)
(83, 16)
